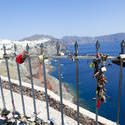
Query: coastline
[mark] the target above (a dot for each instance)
(38, 78)
(54, 83)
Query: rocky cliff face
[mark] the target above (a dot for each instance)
(49, 48)
(49, 45)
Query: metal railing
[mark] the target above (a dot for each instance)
(74, 57)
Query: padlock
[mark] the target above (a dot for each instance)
(103, 99)
(97, 74)
(6, 56)
(16, 115)
(103, 69)
(22, 123)
(101, 92)
(100, 85)
(38, 121)
(21, 57)
(41, 58)
(49, 122)
(4, 112)
(104, 58)
(98, 54)
(71, 57)
(98, 90)
(23, 119)
(104, 89)
(10, 115)
(103, 78)
(92, 65)
(61, 54)
(98, 103)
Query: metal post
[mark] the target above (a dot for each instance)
(45, 84)
(10, 84)
(20, 83)
(122, 46)
(2, 95)
(77, 80)
(97, 50)
(60, 84)
(120, 83)
(32, 84)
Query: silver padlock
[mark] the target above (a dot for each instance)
(103, 69)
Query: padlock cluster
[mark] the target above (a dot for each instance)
(15, 118)
(100, 78)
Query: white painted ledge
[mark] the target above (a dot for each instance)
(66, 102)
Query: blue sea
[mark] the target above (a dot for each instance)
(87, 84)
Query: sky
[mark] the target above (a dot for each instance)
(22, 18)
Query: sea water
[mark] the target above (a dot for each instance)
(87, 84)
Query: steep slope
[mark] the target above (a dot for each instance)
(50, 49)
(69, 40)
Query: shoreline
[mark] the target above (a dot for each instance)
(67, 93)
(52, 82)
(38, 78)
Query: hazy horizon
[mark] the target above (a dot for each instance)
(60, 37)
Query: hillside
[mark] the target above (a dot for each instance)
(49, 49)
(69, 40)
(37, 37)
